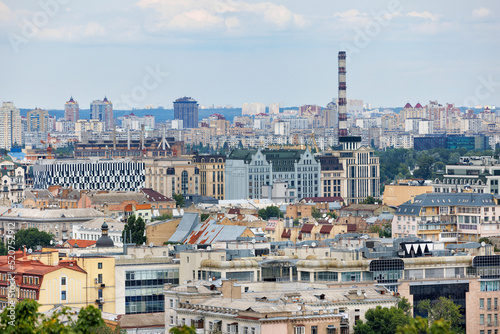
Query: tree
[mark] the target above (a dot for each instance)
(443, 308)
(382, 320)
(315, 213)
(420, 325)
(404, 304)
(3, 249)
(134, 228)
(165, 216)
(369, 200)
(183, 330)
(204, 216)
(25, 318)
(31, 238)
(179, 200)
(270, 212)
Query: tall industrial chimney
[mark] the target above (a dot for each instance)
(342, 95)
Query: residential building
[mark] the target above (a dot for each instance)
(38, 121)
(102, 110)
(71, 111)
(105, 174)
(253, 109)
(449, 217)
(332, 175)
(247, 171)
(91, 230)
(10, 126)
(405, 190)
(186, 109)
(212, 170)
(13, 183)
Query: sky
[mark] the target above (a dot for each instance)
(229, 52)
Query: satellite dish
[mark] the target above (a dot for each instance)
(51, 242)
(316, 224)
(324, 215)
(60, 243)
(151, 244)
(30, 251)
(209, 248)
(313, 244)
(299, 307)
(359, 292)
(330, 220)
(253, 241)
(483, 244)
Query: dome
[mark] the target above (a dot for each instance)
(104, 240)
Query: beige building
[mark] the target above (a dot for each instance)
(170, 176)
(10, 126)
(212, 169)
(38, 120)
(397, 194)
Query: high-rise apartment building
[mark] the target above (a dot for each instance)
(103, 111)
(10, 126)
(72, 111)
(186, 109)
(38, 121)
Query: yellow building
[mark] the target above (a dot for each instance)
(212, 169)
(397, 194)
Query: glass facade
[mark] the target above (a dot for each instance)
(144, 289)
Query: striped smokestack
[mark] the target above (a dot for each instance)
(342, 96)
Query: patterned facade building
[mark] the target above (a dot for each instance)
(119, 175)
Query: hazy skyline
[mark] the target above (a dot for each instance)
(139, 52)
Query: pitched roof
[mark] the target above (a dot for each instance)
(154, 196)
(325, 229)
(186, 225)
(307, 228)
(80, 243)
(323, 199)
(286, 233)
(408, 105)
(210, 232)
(143, 207)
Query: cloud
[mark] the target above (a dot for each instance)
(353, 17)
(425, 15)
(481, 12)
(225, 15)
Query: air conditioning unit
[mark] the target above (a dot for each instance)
(103, 285)
(101, 300)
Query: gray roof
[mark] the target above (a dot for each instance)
(210, 232)
(186, 226)
(444, 199)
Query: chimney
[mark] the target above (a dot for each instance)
(342, 107)
(230, 289)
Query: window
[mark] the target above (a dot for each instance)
(481, 303)
(489, 304)
(299, 330)
(172, 320)
(99, 278)
(99, 265)
(63, 295)
(314, 329)
(481, 319)
(63, 280)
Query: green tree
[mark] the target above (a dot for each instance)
(405, 305)
(25, 319)
(270, 212)
(3, 249)
(381, 320)
(134, 228)
(32, 237)
(179, 200)
(204, 216)
(443, 308)
(316, 213)
(420, 325)
(369, 200)
(183, 330)
(165, 216)
(425, 164)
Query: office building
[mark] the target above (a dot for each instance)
(10, 126)
(72, 111)
(103, 111)
(117, 174)
(186, 109)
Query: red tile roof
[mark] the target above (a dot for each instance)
(80, 243)
(326, 229)
(143, 207)
(155, 196)
(286, 233)
(408, 105)
(307, 228)
(418, 105)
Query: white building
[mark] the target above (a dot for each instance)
(10, 126)
(426, 127)
(253, 108)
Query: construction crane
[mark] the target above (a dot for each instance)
(313, 140)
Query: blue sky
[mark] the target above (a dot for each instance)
(228, 52)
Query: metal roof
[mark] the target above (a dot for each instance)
(186, 226)
(210, 232)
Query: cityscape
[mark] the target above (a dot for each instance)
(271, 167)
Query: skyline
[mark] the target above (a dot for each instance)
(232, 52)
